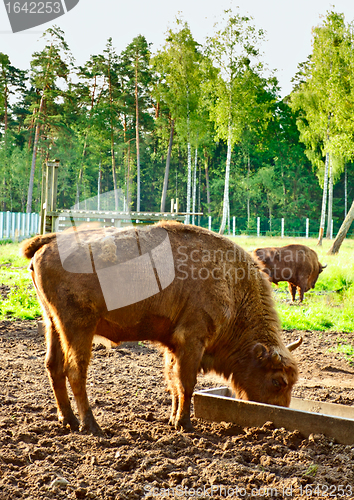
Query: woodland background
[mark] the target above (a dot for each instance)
(202, 123)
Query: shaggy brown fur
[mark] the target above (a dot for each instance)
(296, 264)
(216, 315)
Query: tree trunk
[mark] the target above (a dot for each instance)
(114, 174)
(330, 201)
(189, 179)
(324, 202)
(6, 95)
(199, 189)
(345, 191)
(189, 168)
(207, 180)
(99, 187)
(342, 232)
(167, 169)
(36, 138)
(81, 171)
(137, 138)
(128, 178)
(248, 190)
(225, 211)
(194, 185)
(34, 157)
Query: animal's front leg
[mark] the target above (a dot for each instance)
(292, 290)
(301, 293)
(170, 362)
(186, 368)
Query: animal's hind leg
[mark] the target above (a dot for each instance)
(55, 367)
(76, 339)
(170, 361)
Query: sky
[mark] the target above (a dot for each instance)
(87, 27)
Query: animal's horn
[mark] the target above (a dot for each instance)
(324, 266)
(295, 344)
(276, 358)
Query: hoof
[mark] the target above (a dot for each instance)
(94, 429)
(70, 421)
(90, 425)
(172, 421)
(185, 424)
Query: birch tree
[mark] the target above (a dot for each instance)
(234, 51)
(321, 98)
(177, 65)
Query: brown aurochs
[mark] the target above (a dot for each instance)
(296, 264)
(216, 314)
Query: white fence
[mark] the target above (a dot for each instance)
(17, 226)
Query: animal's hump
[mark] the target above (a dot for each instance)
(29, 247)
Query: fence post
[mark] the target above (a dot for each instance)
(209, 222)
(307, 227)
(282, 227)
(233, 225)
(8, 224)
(13, 225)
(1, 225)
(49, 196)
(21, 225)
(258, 227)
(33, 229)
(27, 228)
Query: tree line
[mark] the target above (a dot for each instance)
(201, 123)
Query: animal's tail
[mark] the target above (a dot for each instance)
(29, 247)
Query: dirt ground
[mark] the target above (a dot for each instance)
(141, 456)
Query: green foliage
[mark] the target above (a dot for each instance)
(20, 301)
(345, 348)
(86, 117)
(325, 94)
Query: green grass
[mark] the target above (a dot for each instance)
(345, 348)
(21, 301)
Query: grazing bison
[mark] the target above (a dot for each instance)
(296, 264)
(197, 294)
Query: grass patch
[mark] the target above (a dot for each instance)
(20, 301)
(344, 348)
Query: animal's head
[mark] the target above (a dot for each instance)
(270, 375)
(314, 276)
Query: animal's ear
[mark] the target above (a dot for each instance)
(260, 352)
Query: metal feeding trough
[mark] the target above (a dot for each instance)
(309, 417)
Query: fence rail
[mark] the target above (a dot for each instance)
(17, 226)
(261, 226)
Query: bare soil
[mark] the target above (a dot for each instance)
(141, 455)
